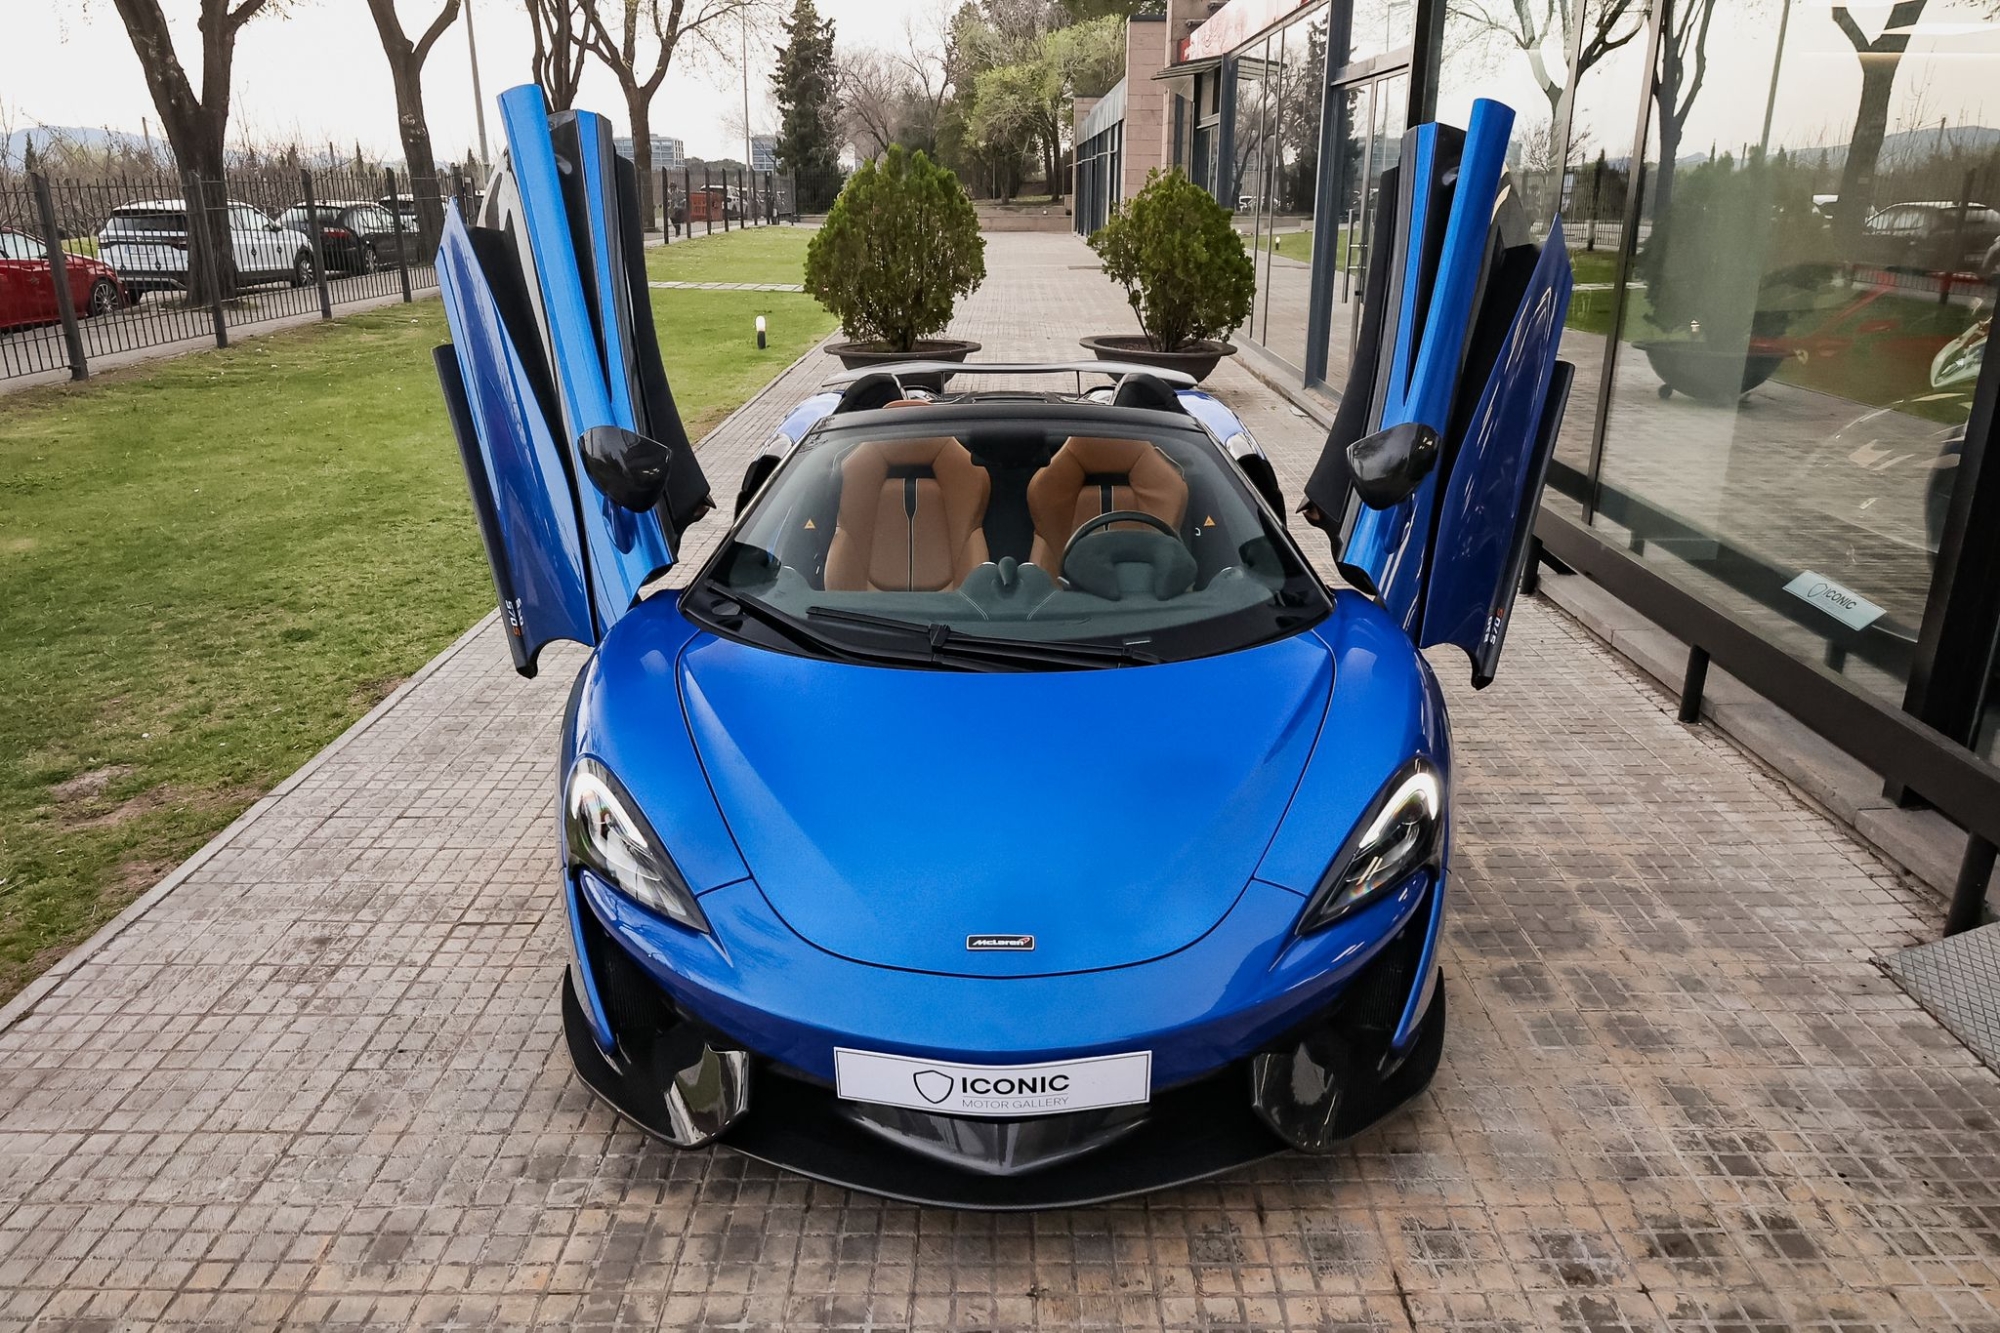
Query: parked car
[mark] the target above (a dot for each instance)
(354, 236)
(28, 289)
(1006, 814)
(1989, 264)
(1929, 237)
(147, 242)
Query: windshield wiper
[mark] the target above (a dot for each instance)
(944, 640)
(794, 628)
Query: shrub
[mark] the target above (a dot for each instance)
(1182, 264)
(899, 248)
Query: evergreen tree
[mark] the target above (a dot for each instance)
(804, 82)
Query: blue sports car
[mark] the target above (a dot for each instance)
(1006, 815)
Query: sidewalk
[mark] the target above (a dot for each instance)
(319, 1081)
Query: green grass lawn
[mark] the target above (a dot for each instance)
(211, 566)
(758, 254)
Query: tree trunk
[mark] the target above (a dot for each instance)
(415, 131)
(195, 126)
(639, 116)
(1864, 148)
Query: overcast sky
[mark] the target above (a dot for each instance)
(316, 72)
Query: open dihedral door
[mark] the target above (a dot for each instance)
(581, 473)
(1433, 469)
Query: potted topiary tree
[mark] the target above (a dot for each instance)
(900, 246)
(1185, 271)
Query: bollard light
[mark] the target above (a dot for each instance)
(760, 333)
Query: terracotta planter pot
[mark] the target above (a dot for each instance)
(860, 356)
(1197, 359)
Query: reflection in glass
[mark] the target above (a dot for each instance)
(1370, 132)
(1283, 236)
(1806, 312)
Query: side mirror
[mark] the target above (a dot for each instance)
(630, 469)
(1388, 465)
(273, 226)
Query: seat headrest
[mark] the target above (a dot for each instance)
(1146, 391)
(1095, 453)
(868, 393)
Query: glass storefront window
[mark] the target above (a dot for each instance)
(1807, 310)
(1377, 28)
(1603, 111)
(1373, 117)
(1285, 265)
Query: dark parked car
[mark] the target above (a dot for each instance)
(28, 289)
(354, 236)
(1930, 236)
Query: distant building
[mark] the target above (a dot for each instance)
(763, 152)
(668, 154)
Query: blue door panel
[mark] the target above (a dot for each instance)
(625, 549)
(520, 486)
(1488, 503)
(1389, 547)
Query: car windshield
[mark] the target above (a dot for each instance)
(146, 220)
(1039, 535)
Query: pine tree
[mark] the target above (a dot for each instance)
(804, 85)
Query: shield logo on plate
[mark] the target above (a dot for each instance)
(932, 1085)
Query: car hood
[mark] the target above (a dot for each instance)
(1113, 815)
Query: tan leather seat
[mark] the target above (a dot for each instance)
(1091, 476)
(910, 517)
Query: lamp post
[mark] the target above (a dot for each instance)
(478, 101)
(743, 30)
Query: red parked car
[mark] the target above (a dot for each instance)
(28, 292)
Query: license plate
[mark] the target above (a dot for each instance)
(996, 1090)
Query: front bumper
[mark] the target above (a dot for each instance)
(685, 1049)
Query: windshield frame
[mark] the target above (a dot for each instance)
(975, 411)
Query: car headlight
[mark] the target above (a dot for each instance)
(608, 835)
(1399, 835)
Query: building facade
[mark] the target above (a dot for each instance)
(1784, 219)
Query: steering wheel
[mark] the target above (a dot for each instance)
(1173, 570)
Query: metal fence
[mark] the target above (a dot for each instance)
(89, 270)
(92, 269)
(698, 201)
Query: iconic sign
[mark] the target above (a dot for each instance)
(994, 1090)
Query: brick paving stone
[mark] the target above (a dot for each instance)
(321, 1083)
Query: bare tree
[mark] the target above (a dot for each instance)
(637, 40)
(561, 45)
(195, 125)
(1529, 24)
(406, 73)
(1683, 71)
(1880, 57)
(872, 87)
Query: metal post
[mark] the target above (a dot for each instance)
(1968, 896)
(687, 200)
(197, 202)
(666, 209)
(1692, 683)
(708, 202)
(402, 245)
(725, 198)
(59, 275)
(318, 246)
